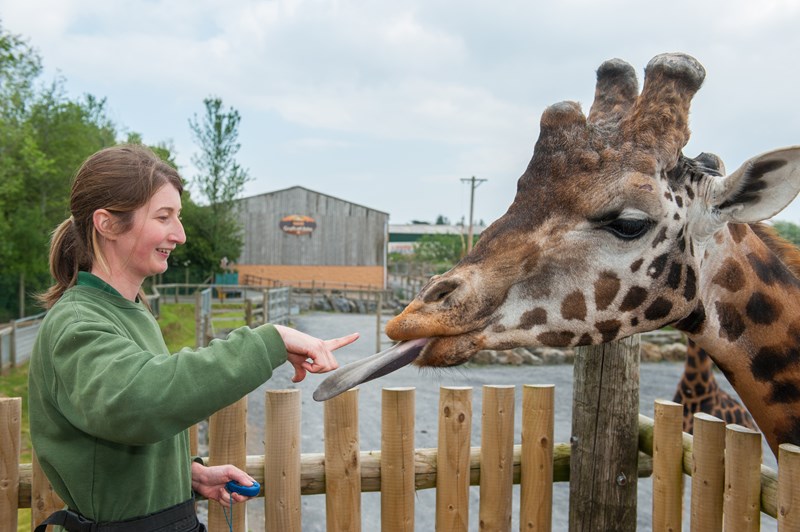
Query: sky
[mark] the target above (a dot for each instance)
(393, 104)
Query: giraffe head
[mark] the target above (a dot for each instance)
(608, 229)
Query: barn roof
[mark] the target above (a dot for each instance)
(313, 192)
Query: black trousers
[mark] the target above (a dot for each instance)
(178, 518)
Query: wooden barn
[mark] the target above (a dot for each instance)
(297, 235)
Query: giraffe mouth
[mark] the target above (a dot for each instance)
(372, 367)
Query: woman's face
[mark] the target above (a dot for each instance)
(157, 230)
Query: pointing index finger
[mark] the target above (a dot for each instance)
(335, 343)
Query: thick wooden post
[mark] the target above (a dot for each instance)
(605, 413)
(10, 430)
(453, 472)
(282, 461)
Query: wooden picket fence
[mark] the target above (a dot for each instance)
(729, 485)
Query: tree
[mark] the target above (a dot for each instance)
(442, 252)
(44, 136)
(789, 231)
(220, 181)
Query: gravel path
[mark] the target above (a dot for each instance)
(658, 381)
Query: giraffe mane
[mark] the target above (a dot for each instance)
(785, 250)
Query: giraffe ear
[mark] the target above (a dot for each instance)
(761, 188)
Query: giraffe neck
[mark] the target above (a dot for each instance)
(749, 323)
(698, 376)
(699, 391)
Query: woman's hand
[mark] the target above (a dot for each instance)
(307, 353)
(210, 483)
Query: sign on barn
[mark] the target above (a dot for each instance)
(296, 224)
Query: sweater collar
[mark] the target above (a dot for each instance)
(93, 281)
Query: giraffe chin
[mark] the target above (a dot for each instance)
(446, 351)
(372, 367)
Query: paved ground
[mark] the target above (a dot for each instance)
(657, 381)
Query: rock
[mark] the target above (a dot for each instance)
(510, 358)
(484, 357)
(528, 358)
(552, 356)
(674, 352)
(651, 352)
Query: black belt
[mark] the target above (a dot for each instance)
(179, 518)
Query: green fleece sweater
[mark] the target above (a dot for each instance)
(110, 407)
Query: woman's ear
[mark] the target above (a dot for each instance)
(104, 224)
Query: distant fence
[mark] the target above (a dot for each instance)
(16, 340)
(260, 305)
(271, 306)
(737, 487)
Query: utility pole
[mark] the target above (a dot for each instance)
(474, 183)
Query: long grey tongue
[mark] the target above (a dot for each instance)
(366, 369)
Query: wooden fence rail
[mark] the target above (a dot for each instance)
(736, 487)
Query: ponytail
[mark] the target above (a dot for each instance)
(67, 255)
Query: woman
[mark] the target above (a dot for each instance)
(109, 406)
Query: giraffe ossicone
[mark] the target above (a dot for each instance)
(613, 231)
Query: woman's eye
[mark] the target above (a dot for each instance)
(628, 229)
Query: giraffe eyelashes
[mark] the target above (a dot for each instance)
(628, 228)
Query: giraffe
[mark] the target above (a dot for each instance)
(612, 232)
(698, 391)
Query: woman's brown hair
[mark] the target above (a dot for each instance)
(119, 179)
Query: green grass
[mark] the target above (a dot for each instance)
(177, 325)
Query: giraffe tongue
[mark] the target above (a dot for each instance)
(377, 365)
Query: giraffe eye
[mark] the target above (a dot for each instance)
(628, 228)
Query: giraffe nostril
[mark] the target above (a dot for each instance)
(437, 292)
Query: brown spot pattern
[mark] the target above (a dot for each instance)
(633, 299)
(763, 309)
(737, 231)
(662, 236)
(609, 329)
(606, 289)
(556, 338)
(730, 276)
(531, 318)
(658, 309)
(731, 324)
(574, 307)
